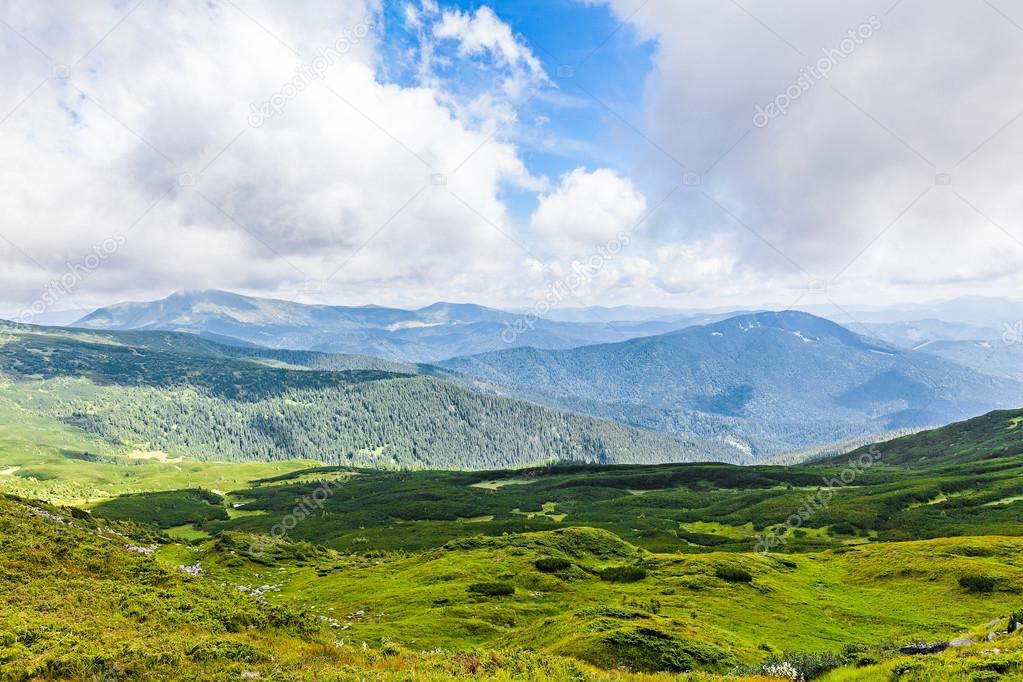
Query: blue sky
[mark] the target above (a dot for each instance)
(597, 64)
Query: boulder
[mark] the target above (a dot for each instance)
(919, 648)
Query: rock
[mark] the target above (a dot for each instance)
(990, 637)
(919, 648)
(965, 641)
(250, 675)
(993, 623)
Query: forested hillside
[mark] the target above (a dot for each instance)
(197, 400)
(774, 381)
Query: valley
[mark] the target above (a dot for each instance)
(226, 511)
(589, 568)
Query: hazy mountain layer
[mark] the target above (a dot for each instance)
(438, 331)
(772, 380)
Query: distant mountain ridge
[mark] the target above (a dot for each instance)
(774, 381)
(428, 334)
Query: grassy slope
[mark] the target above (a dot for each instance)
(81, 604)
(996, 435)
(59, 463)
(860, 594)
(981, 662)
(670, 508)
(868, 596)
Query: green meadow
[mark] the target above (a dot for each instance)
(158, 566)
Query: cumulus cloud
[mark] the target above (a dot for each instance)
(588, 208)
(484, 32)
(277, 150)
(892, 169)
(348, 187)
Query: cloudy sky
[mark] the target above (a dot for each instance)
(695, 153)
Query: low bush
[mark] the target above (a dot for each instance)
(733, 574)
(552, 564)
(1015, 620)
(794, 666)
(651, 650)
(492, 589)
(980, 584)
(222, 650)
(843, 528)
(623, 574)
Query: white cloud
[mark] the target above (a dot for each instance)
(855, 153)
(401, 189)
(483, 32)
(588, 208)
(344, 180)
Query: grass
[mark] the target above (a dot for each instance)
(817, 602)
(81, 605)
(443, 576)
(49, 460)
(85, 600)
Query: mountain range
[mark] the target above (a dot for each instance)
(741, 385)
(429, 334)
(769, 381)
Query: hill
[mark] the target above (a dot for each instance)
(773, 381)
(437, 331)
(553, 573)
(994, 436)
(187, 396)
(965, 479)
(88, 599)
(91, 600)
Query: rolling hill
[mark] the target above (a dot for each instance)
(553, 573)
(769, 381)
(438, 331)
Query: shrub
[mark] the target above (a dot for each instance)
(843, 528)
(794, 666)
(651, 650)
(551, 564)
(1015, 620)
(980, 584)
(733, 574)
(225, 650)
(492, 589)
(971, 551)
(623, 574)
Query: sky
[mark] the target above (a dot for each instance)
(677, 153)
